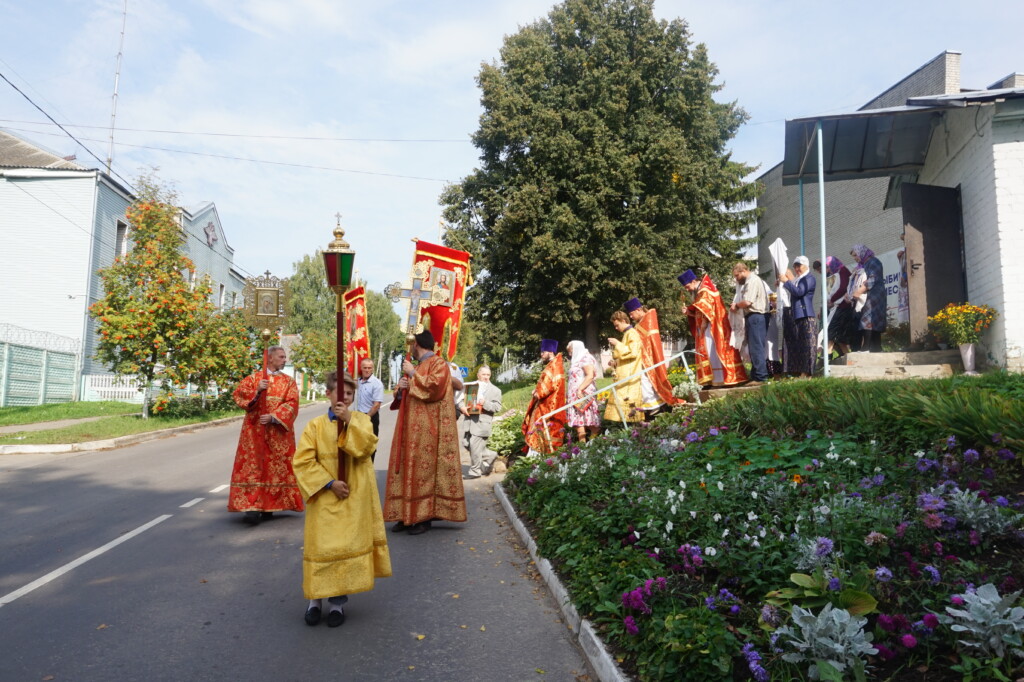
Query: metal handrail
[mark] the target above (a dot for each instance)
(615, 396)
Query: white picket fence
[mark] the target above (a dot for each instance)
(110, 387)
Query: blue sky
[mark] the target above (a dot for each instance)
(396, 80)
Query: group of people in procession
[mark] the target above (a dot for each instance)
(330, 474)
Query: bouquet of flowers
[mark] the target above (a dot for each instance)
(961, 322)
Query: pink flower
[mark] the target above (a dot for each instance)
(908, 641)
(957, 599)
(931, 620)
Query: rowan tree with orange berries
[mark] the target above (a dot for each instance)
(152, 315)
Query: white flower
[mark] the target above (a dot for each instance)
(919, 454)
(828, 486)
(717, 517)
(668, 527)
(682, 484)
(709, 466)
(751, 516)
(878, 470)
(725, 532)
(710, 551)
(637, 534)
(671, 493)
(721, 486)
(763, 532)
(693, 515)
(753, 493)
(823, 509)
(672, 510)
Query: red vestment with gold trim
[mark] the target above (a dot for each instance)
(262, 478)
(717, 362)
(654, 353)
(425, 470)
(550, 396)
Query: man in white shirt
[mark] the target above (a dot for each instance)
(370, 395)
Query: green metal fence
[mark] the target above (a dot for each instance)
(35, 376)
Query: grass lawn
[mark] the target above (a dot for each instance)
(111, 427)
(34, 414)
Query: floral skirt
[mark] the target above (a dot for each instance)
(585, 414)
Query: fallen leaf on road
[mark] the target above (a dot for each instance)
(47, 678)
(455, 596)
(203, 580)
(421, 636)
(463, 627)
(539, 670)
(103, 626)
(483, 628)
(412, 667)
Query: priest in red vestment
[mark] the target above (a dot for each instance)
(262, 480)
(655, 388)
(549, 395)
(424, 480)
(717, 362)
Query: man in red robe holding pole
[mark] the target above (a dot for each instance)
(545, 436)
(718, 363)
(424, 480)
(655, 388)
(262, 480)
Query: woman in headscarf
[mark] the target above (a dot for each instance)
(801, 288)
(873, 314)
(582, 384)
(840, 310)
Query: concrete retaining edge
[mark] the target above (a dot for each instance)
(112, 443)
(594, 650)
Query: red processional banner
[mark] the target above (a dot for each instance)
(446, 273)
(357, 334)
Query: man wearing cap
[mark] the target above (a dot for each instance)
(424, 479)
(654, 385)
(549, 395)
(717, 362)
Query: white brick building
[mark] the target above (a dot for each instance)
(924, 131)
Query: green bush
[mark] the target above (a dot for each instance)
(507, 436)
(183, 407)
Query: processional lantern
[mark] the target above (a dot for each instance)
(339, 259)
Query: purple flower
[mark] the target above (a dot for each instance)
(833, 584)
(770, 615)
(630, 624)
(531, 480)
(550, 462)
(924, 464)
(885, 652)
(692, 437)
(1002, 501)
(997, 437)
(908, 641)
(710, 602)
(971, 456)
(957, 600)
(951, 442)
(886, 623)
(754, 662)
(988, 473)
(661, 582)
(713, 431)
(930, 503)
(973, 538)
(734, 609)
(883, 574)
(930, 620)
(878, 479)
(932, 521)
(823, 547)
(934, 577)
(1005, 455)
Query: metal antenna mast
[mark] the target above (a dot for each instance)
(117, 79)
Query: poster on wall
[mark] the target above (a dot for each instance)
(894, 266)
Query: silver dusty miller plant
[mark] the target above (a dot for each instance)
(982, 516)
(833, 638)
(988, 623)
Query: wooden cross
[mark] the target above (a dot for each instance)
(420, 290)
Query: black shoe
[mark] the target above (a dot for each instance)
(335, 618)
(266, 515)
(399, 527)
(313, 615)
(420, 528)
(252, 518)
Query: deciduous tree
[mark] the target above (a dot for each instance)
(604, 173)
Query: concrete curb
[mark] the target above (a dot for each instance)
(112, 443)
(597, 654)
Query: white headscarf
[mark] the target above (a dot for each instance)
(577, 352)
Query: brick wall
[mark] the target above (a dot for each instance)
(940, 76)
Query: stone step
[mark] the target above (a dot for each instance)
(871, 372)
(928, 357)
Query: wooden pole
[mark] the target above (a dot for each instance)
(340, 309)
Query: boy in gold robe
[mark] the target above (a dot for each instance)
(345, 547)
(628, 357)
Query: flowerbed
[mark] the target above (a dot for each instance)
(711, 552)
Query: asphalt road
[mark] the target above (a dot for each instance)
(125, 565)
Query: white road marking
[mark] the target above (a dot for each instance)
(192, 502)
(219, 488)
(53, 575)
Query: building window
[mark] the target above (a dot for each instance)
(121, 239)
(220, 297)
(234, 299)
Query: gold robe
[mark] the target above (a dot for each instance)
(425, 470)
(344, 547)
(628, 355)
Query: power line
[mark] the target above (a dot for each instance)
(259, 137)
(68, 133)
(252, 160)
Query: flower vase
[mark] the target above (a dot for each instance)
(967, 356)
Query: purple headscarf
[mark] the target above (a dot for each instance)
(833, 265)
(862, 253)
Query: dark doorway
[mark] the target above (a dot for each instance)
(934, 239)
